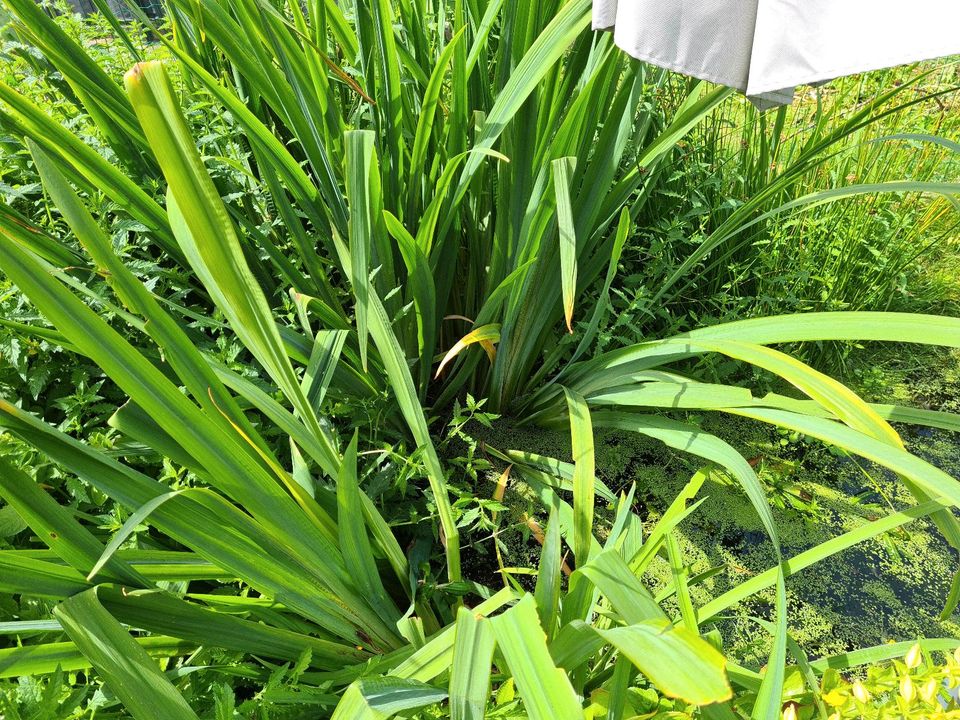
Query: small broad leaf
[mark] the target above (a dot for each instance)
(677, 660)
(10, 522)
(381, 698)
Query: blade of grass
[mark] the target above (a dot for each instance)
(573, 17)
(165, 614)
(86, 165)
(359, 163)
(179, 351)
(928, 478)
(547, 590)
(485, 334)
(220, 533)
(426, 118)
(821, 552)
(25, 574)
(611, 575)
(887, 651)
(382, 698)
(357, 553)
(208, 238)
(679, 571)
(692, 440)
(328, 344)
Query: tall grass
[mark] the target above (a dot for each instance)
(439, 187)
(864, 253)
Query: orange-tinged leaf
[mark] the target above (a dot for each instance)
(485, 335)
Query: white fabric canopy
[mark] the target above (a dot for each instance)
(765, 48)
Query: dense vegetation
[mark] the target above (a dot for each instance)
(408, 357)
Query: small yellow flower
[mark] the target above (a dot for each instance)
(907, 691)
(790, 712)
(860, 692)
(914, 656)
(929, 690)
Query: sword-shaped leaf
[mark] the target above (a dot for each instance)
(584, 475)
(470, 672)
(563, 169)
(128, 670)
(209, 239)
(546, 690)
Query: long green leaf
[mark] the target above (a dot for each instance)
(57, 527)
(357, 552)
(178, 349)
(208, 238)
(611, 575)
(573, 17)
(770, 697)
(547, 590)
(128, 670)
(214, 528)
(359, 160)
(581, 434)
(930, 479)
(428, 110)
(693, 440)
(816, 554)
(546, 691)
(165, 614)
(470, 672)
(382, 698)
(46, 658)
(563, 169)
(887, 651)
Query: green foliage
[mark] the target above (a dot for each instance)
(914, 686)
(862, 253)
(269, 246)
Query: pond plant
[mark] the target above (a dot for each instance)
(425, 201)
